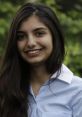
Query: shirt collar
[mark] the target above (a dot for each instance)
(66, 75)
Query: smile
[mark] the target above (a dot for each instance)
(34, 52)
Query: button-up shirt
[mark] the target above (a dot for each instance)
(62, 97)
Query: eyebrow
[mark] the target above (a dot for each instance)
(34, 30)
(40, 28)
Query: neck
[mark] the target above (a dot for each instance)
(39, 75)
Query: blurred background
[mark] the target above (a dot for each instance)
(69, 13)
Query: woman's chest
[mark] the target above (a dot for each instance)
(49, 107)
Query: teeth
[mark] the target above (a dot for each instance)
(33, 51)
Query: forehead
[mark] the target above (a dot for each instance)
(31, 23)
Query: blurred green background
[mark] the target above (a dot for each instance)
(69, 13)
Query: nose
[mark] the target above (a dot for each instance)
(31, 41)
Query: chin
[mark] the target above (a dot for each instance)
(36, 63)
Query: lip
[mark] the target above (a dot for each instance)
(33, 52)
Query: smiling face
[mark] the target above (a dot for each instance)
(34, 41)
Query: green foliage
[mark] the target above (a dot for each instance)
(73, 58)
(7, 11)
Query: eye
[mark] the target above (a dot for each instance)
(40, 33)
(20, 36)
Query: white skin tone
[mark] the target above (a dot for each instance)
(35, 46)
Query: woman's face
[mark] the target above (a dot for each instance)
(34, 41)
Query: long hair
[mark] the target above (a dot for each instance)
(15, 72)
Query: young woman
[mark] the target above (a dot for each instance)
(33, 80)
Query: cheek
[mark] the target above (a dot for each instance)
(20, 45)
(50, 44)
(50, 47)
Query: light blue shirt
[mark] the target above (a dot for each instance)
(61, 98)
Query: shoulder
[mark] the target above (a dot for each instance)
(77, 82)
(68, 77)
(76, 101)
(77, 79)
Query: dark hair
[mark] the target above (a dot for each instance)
(15, 72)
